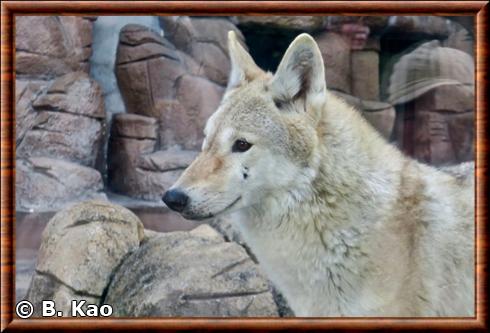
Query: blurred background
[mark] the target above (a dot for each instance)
(113, 107)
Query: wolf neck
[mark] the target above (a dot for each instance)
(322, 221)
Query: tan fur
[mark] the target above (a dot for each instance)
(341, 221)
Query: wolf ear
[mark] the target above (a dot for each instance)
(243, 68)
(301, 74)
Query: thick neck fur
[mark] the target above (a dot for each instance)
(321, 219)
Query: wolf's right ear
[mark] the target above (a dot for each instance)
(243, 68)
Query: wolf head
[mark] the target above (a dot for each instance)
(262, 139)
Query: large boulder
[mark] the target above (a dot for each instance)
(438, 126)
(136, 168)
(81, 248)
(336, 50)
(60, 117)
(26, 93)
(67, 122)
(191, 273)
(205, 40)
(46, 184)
(433, 89)
(159, 81)
(49, 46)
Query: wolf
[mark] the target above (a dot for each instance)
(340, 220)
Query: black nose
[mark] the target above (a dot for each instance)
(175, 200)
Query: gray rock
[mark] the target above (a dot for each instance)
(80, 250)
(136, 170)
(46, 184)
(75, 93)
(167, 160)
(134, 126)
(67, 122)
(335, 49)
(94, 236)
(205, 39)
(25, 93)
(46, 287)
(191, 273)
(24, 270)
(49, 46)
(296, 23)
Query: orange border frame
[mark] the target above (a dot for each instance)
(9, 9)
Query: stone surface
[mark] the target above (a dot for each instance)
(166, 160)
(64, 136)
(67, 122)
(433, 88)
(376, 24)
(433, 26)
(81, 247)
(25, 93)
(102, 62)
(198, 98)
(75, 93)
(205, 40)
(438, 126)
(150, 74)
(44, 184)
(190, 274)
(335, 50)
(162, 83)
(47, 287)
(136, 168)
(24, 271)
(298, 23)
(49, 46)
(364, 74)
(122, 174)
(460, 37)
(427, 67)
(60, 115)
(134, 126)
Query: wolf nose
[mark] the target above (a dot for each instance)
(175, 200)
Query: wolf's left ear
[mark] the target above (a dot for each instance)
(243, 68)
(301, 74)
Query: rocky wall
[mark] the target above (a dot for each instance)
(60, 118)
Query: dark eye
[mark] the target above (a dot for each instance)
(241, 146)
(279, 104)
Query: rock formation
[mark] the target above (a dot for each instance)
(81, 248)
(99, 252)
(59, 112)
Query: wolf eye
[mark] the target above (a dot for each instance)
(241, 146)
